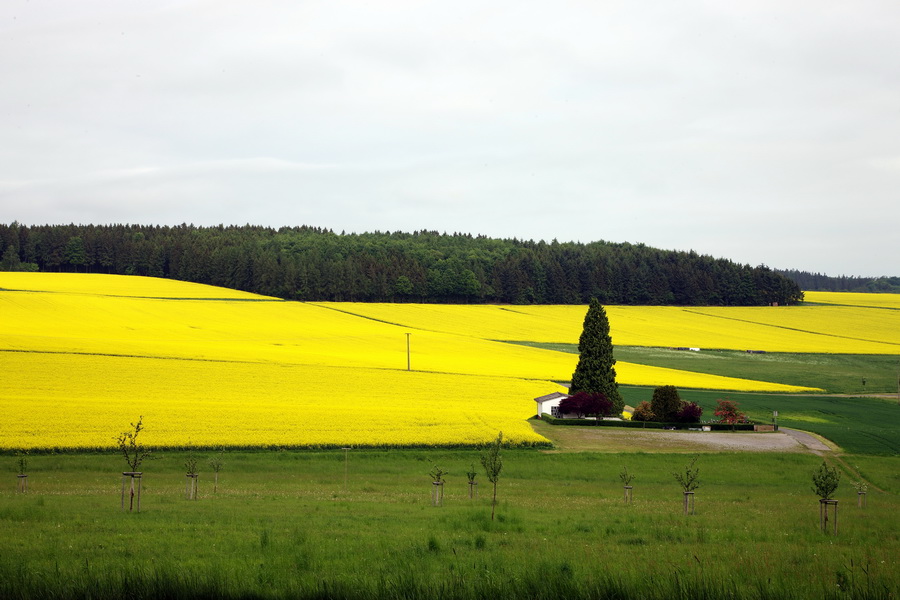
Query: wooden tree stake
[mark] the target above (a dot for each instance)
(823, 514)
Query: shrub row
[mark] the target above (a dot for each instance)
(646, 424)
(271, 448)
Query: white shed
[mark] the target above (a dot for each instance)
(549, 404)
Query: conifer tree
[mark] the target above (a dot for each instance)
(666, 403)
(595, 372)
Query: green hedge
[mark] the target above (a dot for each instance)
(736, 427)
(645, 424)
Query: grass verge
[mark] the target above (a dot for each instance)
(288, 524)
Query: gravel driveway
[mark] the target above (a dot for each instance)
(717, 441)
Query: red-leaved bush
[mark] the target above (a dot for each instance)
(586, 404)
(690, 413)
(727, 411)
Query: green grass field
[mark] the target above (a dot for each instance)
(856, 424)
(834, 373)
(285, 524)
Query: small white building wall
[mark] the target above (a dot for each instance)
(547, 406)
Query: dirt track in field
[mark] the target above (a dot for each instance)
(613, 439)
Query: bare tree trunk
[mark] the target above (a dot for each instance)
(494, 503)
(131, 491)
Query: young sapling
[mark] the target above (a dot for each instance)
(437, 482)
(825, 484)
(191, 475)
(473, 485)
(493, 464)
(134, 454)
(22, 463)
(627, 478)
(689, 481)
(216, 463)
(861, 489)
(825, 481)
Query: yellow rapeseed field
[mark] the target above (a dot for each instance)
(286, 333)
(114, 285)
(84, 355)
(854, 299)
(817, 329)
(82, 401)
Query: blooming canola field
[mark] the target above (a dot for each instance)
(836, 326)
(85, 355)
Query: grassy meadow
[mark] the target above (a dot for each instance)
(308, 524)
(857, 425)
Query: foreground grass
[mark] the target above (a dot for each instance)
(834, 373)
(286, 524)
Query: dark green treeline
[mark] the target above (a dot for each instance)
(823, 283)
(310, 263)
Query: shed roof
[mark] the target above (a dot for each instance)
(552, 396)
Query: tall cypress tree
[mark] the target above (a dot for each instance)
(595, 372)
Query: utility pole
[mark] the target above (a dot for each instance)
(408, 365)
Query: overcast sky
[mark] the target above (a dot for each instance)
(764, 132)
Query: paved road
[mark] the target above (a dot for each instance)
(807, 440)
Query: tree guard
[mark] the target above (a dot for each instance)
(688, 503)
(22, 485)
(134, 490)
(826, 506)
(629, 498)
(437, 493)
(190, 489)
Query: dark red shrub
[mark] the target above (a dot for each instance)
(586, 404)
(690, 413)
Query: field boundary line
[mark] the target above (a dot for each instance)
(849, 305)
(271, 363)
(359, 316)
(829, 335)
(191, 299)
